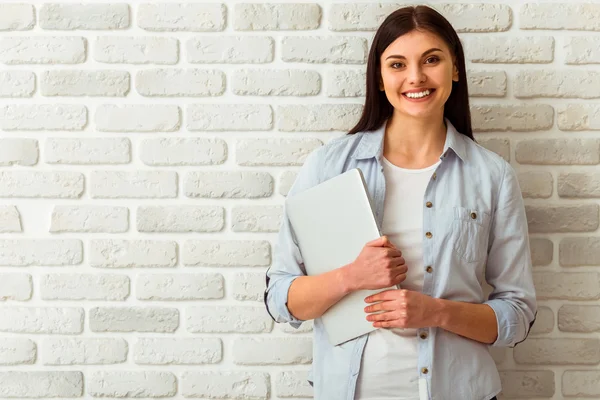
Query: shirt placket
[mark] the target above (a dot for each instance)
(429, 236)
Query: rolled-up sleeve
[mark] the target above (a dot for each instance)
(287, 262)
(509, 267)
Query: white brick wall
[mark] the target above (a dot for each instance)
(146, 149)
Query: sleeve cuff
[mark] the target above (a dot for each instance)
(508, 325)
(277, 302)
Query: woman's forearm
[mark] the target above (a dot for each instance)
(473, 321)
(310, 296)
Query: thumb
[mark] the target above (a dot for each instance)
(379, 242)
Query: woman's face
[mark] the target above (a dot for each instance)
(417, 71)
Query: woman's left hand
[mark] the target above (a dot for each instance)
(402, 309)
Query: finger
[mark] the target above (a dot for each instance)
(399, 278)
(400, 269)
(393, 252)
(390, 244)
(386, 316)
(385, 295)
(383, 306)
(399, 262)
(384, 324)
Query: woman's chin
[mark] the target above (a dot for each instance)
(417, 112)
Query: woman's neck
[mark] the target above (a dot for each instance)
(414, 142)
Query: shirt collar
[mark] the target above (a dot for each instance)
(371, 143)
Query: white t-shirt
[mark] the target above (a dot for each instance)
(389, 366)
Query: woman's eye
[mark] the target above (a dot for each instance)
(432, 60)
(397, 65)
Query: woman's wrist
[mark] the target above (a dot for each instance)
(441, 312)
(346, 279)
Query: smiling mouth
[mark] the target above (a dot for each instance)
(419, 95)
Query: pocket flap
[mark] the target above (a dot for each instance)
(471, 215)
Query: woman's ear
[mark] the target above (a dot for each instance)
(455, 74)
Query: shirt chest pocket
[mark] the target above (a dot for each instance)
(470, 233)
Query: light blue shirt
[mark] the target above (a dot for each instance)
(475, 231)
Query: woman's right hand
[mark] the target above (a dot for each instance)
(379, 265)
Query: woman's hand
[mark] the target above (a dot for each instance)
(379, 265)
(402, 309)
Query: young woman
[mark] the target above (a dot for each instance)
(452, 215)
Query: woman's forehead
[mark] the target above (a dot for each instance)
(415, 43)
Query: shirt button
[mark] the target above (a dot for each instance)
(474, 215)
(423, 335)
(429, 235)
(429, 204)
(429, 269)
(424, 370)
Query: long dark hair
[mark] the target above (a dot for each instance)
(377, 107)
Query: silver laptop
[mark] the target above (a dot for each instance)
(332, 222)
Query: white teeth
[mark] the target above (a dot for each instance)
(418, 95)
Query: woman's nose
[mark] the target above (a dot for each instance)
(416, 75)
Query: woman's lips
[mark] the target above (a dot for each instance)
(419, 99)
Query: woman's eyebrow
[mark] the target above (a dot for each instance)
(422, 55)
